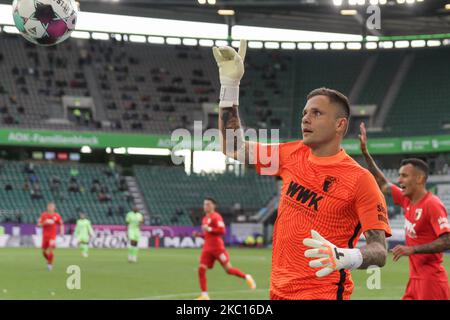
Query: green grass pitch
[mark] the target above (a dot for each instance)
(159, 274)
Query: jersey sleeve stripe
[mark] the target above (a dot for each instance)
(355, 233)
(343, 274)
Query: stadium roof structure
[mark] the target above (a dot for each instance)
(398, 17)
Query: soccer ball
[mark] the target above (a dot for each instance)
(45, 22)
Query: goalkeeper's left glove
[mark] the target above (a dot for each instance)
(231, 70)
(330, 257)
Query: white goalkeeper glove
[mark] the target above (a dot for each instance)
(330, 257)
(231, 70)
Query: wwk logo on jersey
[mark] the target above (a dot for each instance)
(300, 193)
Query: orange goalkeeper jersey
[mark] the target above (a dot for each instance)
(334, 196)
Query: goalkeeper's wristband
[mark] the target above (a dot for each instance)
(229, 96)
(353, 258)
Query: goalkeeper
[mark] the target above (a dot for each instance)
(83, 231)
(327, 201)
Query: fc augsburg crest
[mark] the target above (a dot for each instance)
(328, 183)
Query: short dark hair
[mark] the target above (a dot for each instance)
(335, 97)
(211, 199)
(418, 164)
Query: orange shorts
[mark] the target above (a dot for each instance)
(312, 296)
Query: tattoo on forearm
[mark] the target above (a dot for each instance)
(374, 252)
(229, 121)
(230, 118)
(439, 245)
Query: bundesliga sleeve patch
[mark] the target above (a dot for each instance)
(382, 213)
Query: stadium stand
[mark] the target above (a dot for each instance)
(312, 68)
(430, 95)
(34, 80)
(73, 189)
(266, 96)
(134, 86)
(168, 190)
(159, 88)
(156, 88)
(103, 195)
(381, 77)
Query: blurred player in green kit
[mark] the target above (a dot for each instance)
(83, 231)
(134, 219)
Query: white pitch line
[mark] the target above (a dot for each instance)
(382, 288)
(187, 294)
(184, 255)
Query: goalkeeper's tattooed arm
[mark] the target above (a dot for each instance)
(231, 70)
(382, 181)
(230, 127)
(374, 253)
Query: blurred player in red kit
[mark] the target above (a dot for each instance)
(48, 221)
(214, 248)
(427, 230)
